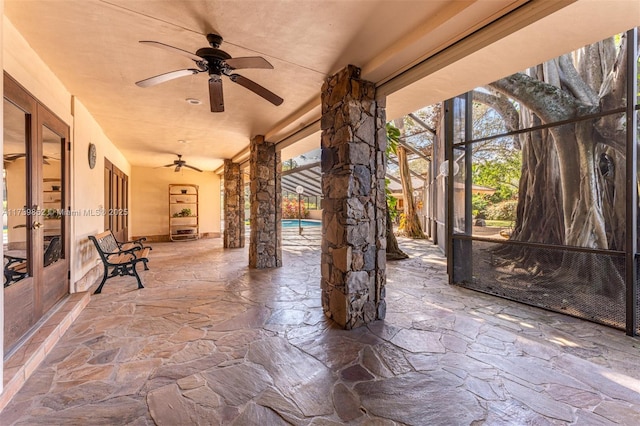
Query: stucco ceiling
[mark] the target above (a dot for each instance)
(93, 48)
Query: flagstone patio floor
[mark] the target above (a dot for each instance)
(210, 341)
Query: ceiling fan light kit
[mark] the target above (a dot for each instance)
(216, 63)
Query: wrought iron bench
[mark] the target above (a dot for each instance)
(15, 267)
(121, 256)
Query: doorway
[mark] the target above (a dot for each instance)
(36, 199)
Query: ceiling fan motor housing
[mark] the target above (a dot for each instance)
(214, 57)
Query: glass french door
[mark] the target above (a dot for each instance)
(35, 227)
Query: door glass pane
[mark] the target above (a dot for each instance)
(52, 195)
(14, 186)
(107, 196)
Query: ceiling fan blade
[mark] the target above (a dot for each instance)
(256, 88)
(168, 165)
(249, 62)
(215, 94)
(172, 49)
(152, 81)
(13, 157)
(194, 168)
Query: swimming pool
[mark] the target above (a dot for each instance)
(293, 223)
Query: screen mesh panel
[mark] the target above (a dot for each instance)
(637, 301)
(581, 284)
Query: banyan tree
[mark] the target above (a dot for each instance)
(572, 187)
(570, 123)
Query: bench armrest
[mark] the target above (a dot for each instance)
(130, 251)
(126, 245)
(13, 262)
(129, 243)
(13, 259)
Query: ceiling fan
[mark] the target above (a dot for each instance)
(13, 157)
(180, 163)
(216, 63)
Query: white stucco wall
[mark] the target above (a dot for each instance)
(88, 188)
(87, 185)
(2, 152)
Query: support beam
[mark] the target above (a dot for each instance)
(308, 189)
(417, 175)
(393, 178)
(300, 168)
(408, 147)
(422, 123)
(311, 174)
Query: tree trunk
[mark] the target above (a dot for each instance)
(412, 228)
(393, 249)
(539, 217)
(572, 184)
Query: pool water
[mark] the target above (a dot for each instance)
(293, 223)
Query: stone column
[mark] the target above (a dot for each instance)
(265, 246)
(233, 205)
(354, 206)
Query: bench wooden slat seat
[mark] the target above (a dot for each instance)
(121, 256)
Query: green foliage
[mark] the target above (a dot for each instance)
(393, 136)
(502, 174)
(497, 163)
(392, 202)
(505, 210)
(479, 204)
(183, 213)
(51, 213)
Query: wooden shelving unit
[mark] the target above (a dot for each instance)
(52, 204)
(183, 212)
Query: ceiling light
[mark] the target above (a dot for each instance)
(193, 101)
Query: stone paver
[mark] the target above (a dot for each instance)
(209, 341)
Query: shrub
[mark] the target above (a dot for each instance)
(479, 204)
(505, 210)
(290, 209)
